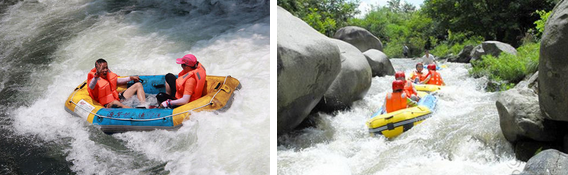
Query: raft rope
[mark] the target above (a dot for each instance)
(161, 118)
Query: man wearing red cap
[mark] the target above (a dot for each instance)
(187, 87)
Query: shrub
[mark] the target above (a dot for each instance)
(508, 69)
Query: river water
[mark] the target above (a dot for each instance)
(47, 48)
(462, 137)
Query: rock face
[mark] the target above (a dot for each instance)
(549, 161)
(379, 62)
(359, 37)
(464, 56)
(492, 48)
(353, 81)
(308, 63)
(520, 116)
(553, 65)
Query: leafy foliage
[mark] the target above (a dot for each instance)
(326, 16)
(541, 22)
(507, 68)
(504, 21)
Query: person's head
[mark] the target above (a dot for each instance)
(419, 66)
(102, 67)
(432, 67)
(188, 62)
(397, 85)
(399, 75)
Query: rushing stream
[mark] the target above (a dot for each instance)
(462, 137)
(47, 48)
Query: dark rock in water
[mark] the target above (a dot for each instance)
(553, 76)
(464, 56)
(549, 161)
(525, 150)
(491, 48)
(353, 81)
(520, 116)
(308, 63)
(359, 37)
(379, 62)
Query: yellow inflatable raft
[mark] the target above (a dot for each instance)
(218, 96)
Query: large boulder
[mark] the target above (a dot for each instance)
(353, 81)
(553, 65)
(491, 48)
(464, 56)
(379, 62)
(308, 62)
(520, 116)
(359, 37)
(549, 161)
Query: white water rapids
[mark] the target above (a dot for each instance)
(141, 37)
(462, 137)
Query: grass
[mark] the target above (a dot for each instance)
(507, 69)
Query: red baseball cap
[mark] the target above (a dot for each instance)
(188, 60)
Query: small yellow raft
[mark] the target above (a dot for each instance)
(427, 87)
(395, 123)
(218, 96)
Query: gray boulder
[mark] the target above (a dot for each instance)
(491, 48)
(520, 116)
(353, 81)
(308, 62)
(464, 56)
(553, 65)
(359, 37)
(549, 162)
(379, 62)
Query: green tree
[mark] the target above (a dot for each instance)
(326, 16)
(505, 21)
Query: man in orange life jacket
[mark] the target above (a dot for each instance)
(187, 87)
(103, 83)
(417, 75)
(433, 77)
(397, 100)
(408, 87)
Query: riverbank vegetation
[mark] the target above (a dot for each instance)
(442, 26)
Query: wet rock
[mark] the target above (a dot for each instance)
(549, 161)
(359, 37)
(520, 117)
(491, 48)
(464, 56)
(379, 62)
(525, 150)
(353, 81)
(553, 76)
(308, 63)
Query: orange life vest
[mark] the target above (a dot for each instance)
(199, 76)
(435, 78)
(420, 76)
(105, 90)
(395, 101)
(409, 90)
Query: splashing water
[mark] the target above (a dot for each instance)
(49, 46)
(462, 137)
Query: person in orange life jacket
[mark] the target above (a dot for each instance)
(397, 100)
(433, 77)
(417, 75)
(408, 87)
(103, 83)
(187, 87)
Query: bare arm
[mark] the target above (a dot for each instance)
(93, 83)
